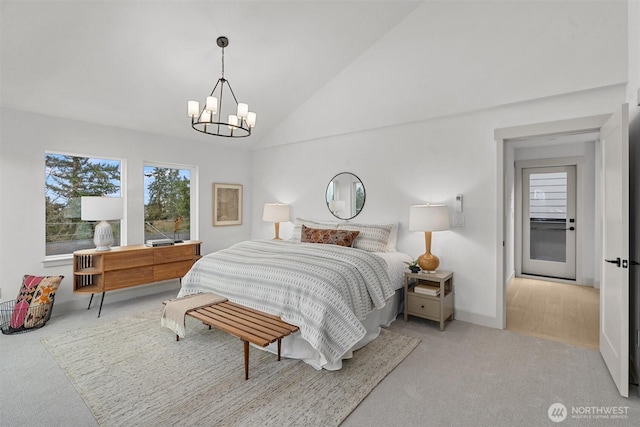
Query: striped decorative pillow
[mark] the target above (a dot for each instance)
(372, 238)
(328, 236)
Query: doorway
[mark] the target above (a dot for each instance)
(613, 219)
(505, 171)
(548, 216)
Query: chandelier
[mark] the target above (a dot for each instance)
(210, 119)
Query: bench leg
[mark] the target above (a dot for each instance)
(279, 345)
(246, 359)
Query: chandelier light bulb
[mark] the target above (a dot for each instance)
(193, 108)
(206, 116)
(251, 119)
(233, 121)
(212, 104)
(243, 109)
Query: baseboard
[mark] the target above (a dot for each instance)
(477, 319)
(550, 279)
(510, 277)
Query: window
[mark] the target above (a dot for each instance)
(167, 202)
(67, 178)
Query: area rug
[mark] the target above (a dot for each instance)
(132, 371)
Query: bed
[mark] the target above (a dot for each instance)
(338, 296)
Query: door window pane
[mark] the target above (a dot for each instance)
(548, 216)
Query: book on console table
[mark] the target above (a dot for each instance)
(427, 290)
(160, 242)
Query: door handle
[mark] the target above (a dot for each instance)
(614, 261)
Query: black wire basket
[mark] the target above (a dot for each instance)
(21, 320)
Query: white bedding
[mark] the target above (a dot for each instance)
(337, 296)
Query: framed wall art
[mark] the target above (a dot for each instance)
(227, 204)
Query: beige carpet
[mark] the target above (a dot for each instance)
(131, 371)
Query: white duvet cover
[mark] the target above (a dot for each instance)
(328, 291)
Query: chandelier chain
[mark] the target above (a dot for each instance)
(223, 63)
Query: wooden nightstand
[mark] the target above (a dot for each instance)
(438, 307)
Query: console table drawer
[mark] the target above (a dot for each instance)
(117, 279)
(129, 259)
(172, 253)
(171, 270)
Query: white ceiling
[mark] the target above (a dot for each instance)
(134, 64)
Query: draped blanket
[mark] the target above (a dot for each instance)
(325, 290)
(175, 310)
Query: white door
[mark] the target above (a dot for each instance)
(614, 289)
(549, 221)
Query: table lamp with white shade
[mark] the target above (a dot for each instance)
(276, 213)
(428, 218)
(102, 209)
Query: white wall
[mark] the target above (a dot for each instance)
(509, 212)
(24, 138)
(410, 120)
(428, 161)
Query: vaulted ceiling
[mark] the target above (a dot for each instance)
(308, 68)
(134, 64)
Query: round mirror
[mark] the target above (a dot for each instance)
(345, 195)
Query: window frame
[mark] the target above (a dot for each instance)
(67, 259)
(194, 208)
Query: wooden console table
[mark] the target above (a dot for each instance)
(126, 266)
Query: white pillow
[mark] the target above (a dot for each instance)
(372, 237)
(297, 228)
(393, 238)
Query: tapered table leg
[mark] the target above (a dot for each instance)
(246, 360)
(101, 301)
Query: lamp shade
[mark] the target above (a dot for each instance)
(428, 218)
(275, 212)
(95, 208)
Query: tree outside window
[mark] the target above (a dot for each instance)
(67, 178)
(167, 203)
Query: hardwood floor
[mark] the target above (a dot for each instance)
(554, 311)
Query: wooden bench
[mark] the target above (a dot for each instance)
(251, 326)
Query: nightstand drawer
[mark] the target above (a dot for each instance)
(423, 306)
